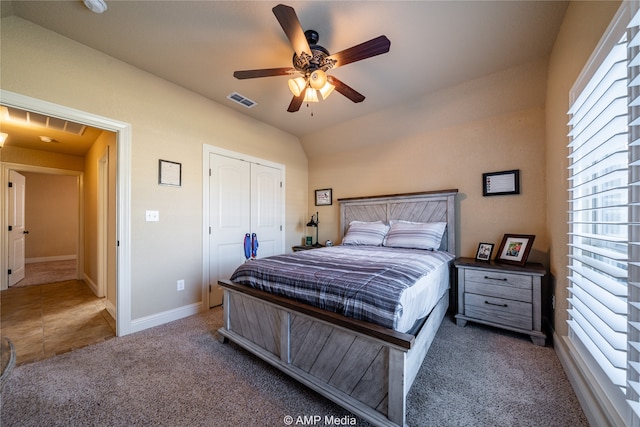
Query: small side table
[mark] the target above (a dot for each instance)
(501, 295)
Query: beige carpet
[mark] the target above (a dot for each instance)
(39, 273)
(180, 374)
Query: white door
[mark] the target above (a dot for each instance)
(16, 227)
(244, 198)
(230, 219)
(266, 209)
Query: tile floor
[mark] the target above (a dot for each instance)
(44, 320)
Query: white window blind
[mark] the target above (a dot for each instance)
(633, 372)
(598, 215)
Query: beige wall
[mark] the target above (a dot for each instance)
(105, 143)
(444, 141)
(51, 216)
(582, 28)
(167, 122)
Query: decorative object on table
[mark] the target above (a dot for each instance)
(500, 183)
(169, 173)
(328, 243)
(314, 223)
(484, 252)
(515, 249)
(308, 240)
(323, 197)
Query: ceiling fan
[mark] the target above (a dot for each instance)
(313, 61)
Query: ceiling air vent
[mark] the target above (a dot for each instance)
(236, 97)
(36, 119)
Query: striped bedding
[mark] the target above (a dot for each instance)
(368, 283)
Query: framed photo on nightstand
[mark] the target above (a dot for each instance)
(515, 249)
(484, 252)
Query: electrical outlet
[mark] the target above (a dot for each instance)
(181, 285)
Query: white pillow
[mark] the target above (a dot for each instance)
(415, 235)
(365, 233)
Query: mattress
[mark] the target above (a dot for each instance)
(389, 287)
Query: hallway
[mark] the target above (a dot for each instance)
(45, 320)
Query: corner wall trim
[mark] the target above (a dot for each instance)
(593, 399)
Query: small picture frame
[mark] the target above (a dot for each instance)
(169, 173)
(484, 252)
(515, 249)
(323, 197)
(501, 183)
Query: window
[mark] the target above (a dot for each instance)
(604, 215)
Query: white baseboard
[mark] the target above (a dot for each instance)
(595, 403)
(50, 258)
(146, 322)
(92, 285)
(111, 308)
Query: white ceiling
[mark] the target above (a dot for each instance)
(199, 44)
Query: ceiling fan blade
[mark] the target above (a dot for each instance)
(290, 23)
(266, 72)
(296, 102)
(365, 50)
(347, 91)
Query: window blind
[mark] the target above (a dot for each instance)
(633, 371)
(598, 215)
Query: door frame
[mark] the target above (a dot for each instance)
(206, 151)
(5, 168)
(123, 195)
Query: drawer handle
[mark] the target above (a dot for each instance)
(493, 303)
(495, 278)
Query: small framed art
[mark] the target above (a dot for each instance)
(323, 197)
(484, 252)
(169, 173)
(500, 183)
(515, 249)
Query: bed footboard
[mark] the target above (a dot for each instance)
(367, 370)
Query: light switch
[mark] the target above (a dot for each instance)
(153, 216)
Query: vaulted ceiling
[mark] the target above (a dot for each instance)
(199, 44)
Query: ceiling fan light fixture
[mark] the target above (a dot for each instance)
(297, 85)
(311, 95)
(326, 90)
(318, 79)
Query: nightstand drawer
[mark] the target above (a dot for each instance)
(519, 281)
(499, 291)
(498, 310)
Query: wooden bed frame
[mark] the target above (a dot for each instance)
(365, 368)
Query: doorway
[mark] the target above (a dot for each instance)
(44, 243)
(121, 196)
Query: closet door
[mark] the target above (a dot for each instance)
(244, 197)
(230, 205)
(266, 209)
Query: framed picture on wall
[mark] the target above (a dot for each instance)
(515, 249)
(323, 197)
(501, 183)
(169, 173)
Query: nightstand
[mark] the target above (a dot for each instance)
(501, 295)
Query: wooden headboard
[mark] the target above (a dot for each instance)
(430, 206)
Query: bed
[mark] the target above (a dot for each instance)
(361, 365)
